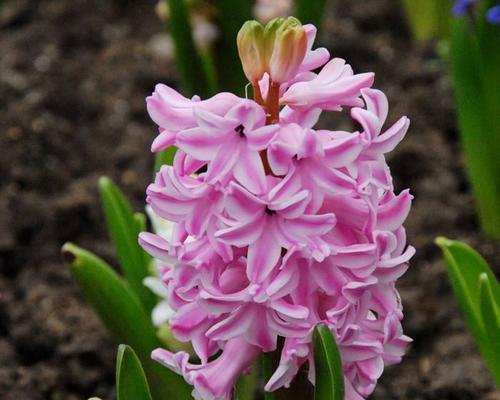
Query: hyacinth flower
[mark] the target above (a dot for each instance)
(279, 228)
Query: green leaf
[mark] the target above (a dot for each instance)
(245, 387)
(465, 267)
(491, 319)
(140, 221)
(488, 39)
(310, 11)
(475, 63)
(232, 15)
(267, 371)
(121, 312)
(429, 19)
(131, 383)
(328, 365)
(164, 157)
(189, 62)
(124, 229)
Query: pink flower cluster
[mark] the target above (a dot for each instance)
(280, 227)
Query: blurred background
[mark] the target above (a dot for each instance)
(73, 78)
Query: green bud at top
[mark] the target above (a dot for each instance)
(278, 48)
(289, 49)
(250, 42)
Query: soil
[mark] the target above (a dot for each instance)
(73, 77)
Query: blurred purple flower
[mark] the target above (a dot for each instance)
(493, 15)
(461, 7)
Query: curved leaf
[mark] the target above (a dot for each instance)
(475, 287)
(120, 310)
(124, 230)
(131, 383)
(328, 365)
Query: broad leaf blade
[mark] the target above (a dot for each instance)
(131, 383)
(475, 79)
(463, 270)
(124, 229)
(465, 266)
(328, 365)
(120, 310)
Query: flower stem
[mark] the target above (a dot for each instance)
(272, 103)
(257, 94)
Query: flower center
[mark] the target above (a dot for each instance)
(269, 211)
(240, 129)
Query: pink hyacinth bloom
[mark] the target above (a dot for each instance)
(214, 380)
(277, 227)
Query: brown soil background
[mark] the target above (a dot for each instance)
(73, 77)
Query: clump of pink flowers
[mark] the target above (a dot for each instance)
(279, 226)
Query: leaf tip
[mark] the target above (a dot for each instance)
(104, 181)
(443, 242)
(68, 254)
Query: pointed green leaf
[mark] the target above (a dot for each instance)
(120, 310)
(463, 271)
(465, 266)
(131, 383)
(123, 228)
(328, 365)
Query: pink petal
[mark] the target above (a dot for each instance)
(242, 234)
(392, 214)
(290, 311)
(199, 143)
(249, 171)
(263, 255)
(241, 204)
(390, 138)
(156, 246)
(233, 326)
(223, 162)
(164, 140)
(376, 103)
(258, 139)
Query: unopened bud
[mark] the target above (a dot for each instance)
(289, 48)
(250, 42)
